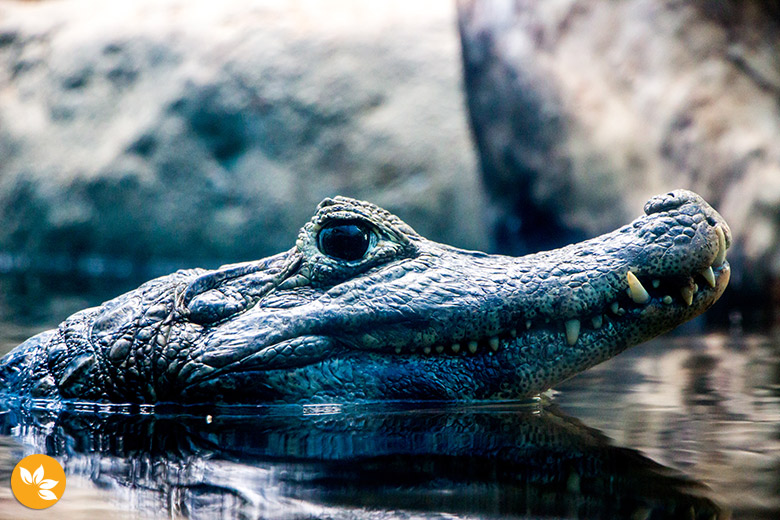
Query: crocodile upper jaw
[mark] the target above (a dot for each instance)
(445, 310)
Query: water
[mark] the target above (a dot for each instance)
(682, 427)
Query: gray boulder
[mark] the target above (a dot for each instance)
(583, 108)
(205, 132)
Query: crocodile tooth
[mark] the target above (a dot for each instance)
(439, 349)
(493, 342)
(720, 257)
(455, 347)
(473, 346)
(527, 324)
(597, 321)
(615, 307)
(636, 290)
(656, 284)
(427, 350)
(667, 300)
(687, 295)
(397, 350)
(572, 331)
(709, 275)
(513, 333)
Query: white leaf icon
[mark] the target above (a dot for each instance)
(38, 475)
(46, 494)
(26, 477)
(48, 483)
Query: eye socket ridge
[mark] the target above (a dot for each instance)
(346, 239)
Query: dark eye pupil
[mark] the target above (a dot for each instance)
(345, 240)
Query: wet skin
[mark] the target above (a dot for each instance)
(364, 308)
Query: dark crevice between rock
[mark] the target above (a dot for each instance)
(497, 96)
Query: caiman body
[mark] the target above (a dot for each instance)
(364, 308)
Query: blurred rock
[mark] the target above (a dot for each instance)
(209, 131)
(583, 109)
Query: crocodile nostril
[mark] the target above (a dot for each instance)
(712, 221)
(669, 201)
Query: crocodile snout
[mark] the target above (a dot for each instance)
(672, 200)
(684, 202)
(365, 308)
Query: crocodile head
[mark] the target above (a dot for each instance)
(365, 308)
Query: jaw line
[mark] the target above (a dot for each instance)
(629, 314)
(267, 358)
(251, 380)
(612, 330)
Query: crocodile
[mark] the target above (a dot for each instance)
(363, 308)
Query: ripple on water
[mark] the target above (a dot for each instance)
(705, 407)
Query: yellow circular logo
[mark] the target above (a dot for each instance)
(38, 481)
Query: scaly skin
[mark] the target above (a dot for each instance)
(405, 319)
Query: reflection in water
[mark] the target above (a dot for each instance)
(357, 461)
(706, 405)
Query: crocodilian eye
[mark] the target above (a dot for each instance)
(345, 239)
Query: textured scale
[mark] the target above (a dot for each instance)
(410, 319)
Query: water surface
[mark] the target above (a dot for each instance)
(683, 427)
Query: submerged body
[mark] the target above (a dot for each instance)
(364, 308)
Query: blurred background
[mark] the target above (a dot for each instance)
(139, 137)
